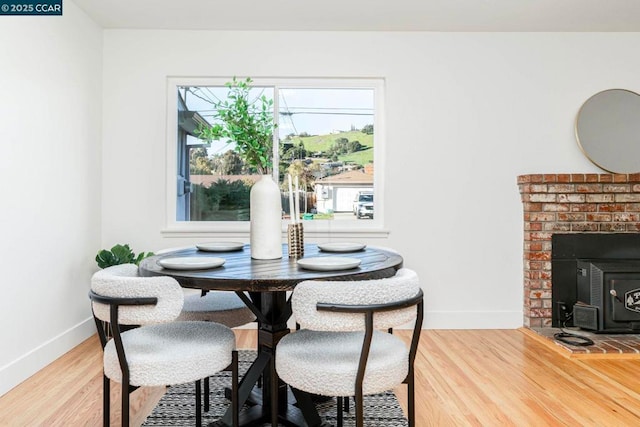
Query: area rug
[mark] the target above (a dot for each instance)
(177, 406)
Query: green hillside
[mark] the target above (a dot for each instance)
(318, 143)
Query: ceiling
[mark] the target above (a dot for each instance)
(367, 15)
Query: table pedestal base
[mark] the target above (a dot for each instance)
(272, 403)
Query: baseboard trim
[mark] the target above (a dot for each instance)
(31, 362)
(472, 320)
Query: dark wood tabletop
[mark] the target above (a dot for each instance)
(242, 273)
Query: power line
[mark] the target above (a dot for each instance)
(325, 113)
(288, 114)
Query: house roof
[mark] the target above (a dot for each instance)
(350, 177)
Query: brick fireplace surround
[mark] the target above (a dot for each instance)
(569, 203)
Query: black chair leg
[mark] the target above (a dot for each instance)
(274, 393)
(198, 403)
(106, 401)
(206, 394)
(339, 404)
(359, 409)
(346, 404)
(411, 401)
(235, 416)
(125, 404)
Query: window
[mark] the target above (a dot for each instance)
(327, 132)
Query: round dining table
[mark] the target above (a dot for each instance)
(263, 285)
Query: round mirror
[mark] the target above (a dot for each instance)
(608, 130)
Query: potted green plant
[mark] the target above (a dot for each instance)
(249, 125)
(246, 123)
(119, 254)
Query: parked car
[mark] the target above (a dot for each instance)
(363, 205)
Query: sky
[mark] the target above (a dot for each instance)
(314, 111)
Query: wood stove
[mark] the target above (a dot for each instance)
(596, 278)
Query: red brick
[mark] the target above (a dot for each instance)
(631, 197)
(607, 177)
(541, 312)
(611, 207)
(613, 227)
(535, 265)
(583, 207)
(577, 177)
(522, 179)
(535, 178)
(633, 227)
(634, 177)
(532, 207)
(632, 207)
(599, 217)
(533, 226)
(626, 217)
(561, 188)
(555, 207)
(542, 197)
(591, 177)
(580, 227)
(534, 275)
(620, 177)
(589, 188)
(616, 188)
(538, 188)
(542, 216)
(572, 198)
(556, 226)
(533, 246)
(600, 198)
(541, 236)
(564, 177)
(550, 177)
(576, 216)
(543, 256)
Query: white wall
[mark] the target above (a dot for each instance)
(465, 114)
(50, 179)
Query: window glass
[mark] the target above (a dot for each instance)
(323, 135)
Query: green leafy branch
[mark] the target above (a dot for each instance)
(119, 254)
(247, 123)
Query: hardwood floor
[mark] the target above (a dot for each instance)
(463, 378)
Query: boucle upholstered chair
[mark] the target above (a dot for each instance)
(224, 307)
(339, 351)
(213, 306)
(159, 351)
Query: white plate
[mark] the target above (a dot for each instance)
(220, 246)
(341, 247)
(190, 263)
(328, 263)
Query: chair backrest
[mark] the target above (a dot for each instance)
(122, 281)
(404, 285)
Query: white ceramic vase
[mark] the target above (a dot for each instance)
(266, 219)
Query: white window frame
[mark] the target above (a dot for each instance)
(320, 228)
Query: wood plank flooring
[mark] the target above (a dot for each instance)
(463, 378)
